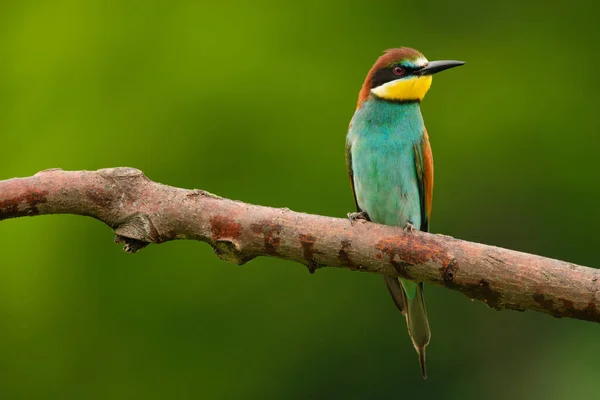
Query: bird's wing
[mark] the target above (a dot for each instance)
(351, 172)
(424, 166)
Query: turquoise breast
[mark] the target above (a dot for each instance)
(383, 136)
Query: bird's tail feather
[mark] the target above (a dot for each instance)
(397, 292)
(409, 295)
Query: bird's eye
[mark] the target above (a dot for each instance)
(398, 71)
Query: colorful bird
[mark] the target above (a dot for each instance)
(390, 164)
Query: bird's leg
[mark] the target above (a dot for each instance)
(409, 227)
(353, 217)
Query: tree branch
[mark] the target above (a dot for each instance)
(142, 211)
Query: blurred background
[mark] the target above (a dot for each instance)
(251, 100)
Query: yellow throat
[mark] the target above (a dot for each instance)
(413, 88)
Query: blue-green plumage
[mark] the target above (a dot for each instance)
(390, 163)
(382, 139)
(384, 143)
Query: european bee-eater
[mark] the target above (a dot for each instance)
(390, 163)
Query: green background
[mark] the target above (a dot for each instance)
(251, 100)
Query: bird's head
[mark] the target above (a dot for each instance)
(402, 74)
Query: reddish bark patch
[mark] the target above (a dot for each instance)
(485, 292)
(307, 242)
(225, 227)
(404, 251)
(568, 304)
(396, 255)
(541, 300)
(344, 255)
(270, 232)
(449, 272)
(479, 291)
(24, 205)
(546, 304)
(590, 313)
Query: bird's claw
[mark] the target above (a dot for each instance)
(355, 216)
(409, 227)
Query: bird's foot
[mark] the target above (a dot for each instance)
(355, 216)
(409, 228)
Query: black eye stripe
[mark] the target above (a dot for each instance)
(387, 74)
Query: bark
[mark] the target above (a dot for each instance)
(142, 211)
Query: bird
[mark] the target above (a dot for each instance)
(390, 164)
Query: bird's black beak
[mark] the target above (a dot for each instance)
(437, 66)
